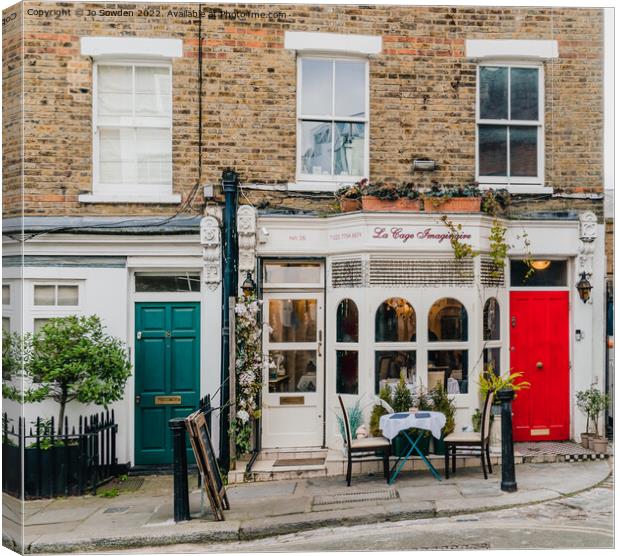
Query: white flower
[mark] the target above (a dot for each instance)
(243, 415)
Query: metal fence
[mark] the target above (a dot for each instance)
(43, 460)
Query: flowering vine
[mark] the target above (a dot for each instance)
(248, 368)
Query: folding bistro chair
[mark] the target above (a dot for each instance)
(360, 447)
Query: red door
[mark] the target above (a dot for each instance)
(539, 349)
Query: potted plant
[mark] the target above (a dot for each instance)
(349, 196)
(452, 199)
(423, 402)
(593, 402)
(583, 404)
(378, 410)
(386, 197)
(442, 403)
(402, 400)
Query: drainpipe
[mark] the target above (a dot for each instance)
(230, 181)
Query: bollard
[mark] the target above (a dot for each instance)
(509, 483)
(181, 495)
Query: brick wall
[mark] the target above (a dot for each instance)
(422, 93)
(12, 66)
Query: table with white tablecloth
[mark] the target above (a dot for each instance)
(393, 424)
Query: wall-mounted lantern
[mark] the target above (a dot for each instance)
(424, 164)
(584, 288)
(249, 286)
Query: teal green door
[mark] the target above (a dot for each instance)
(167, 367)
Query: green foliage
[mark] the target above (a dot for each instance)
(442, 403)
(592, 402)
(73, 359)
(498, 248)
(15, 355)
(528, 259)
(440, 192)
(402, 399)
(492, 382)
(495, 201)
(243, 436)
(461, 250)
(378, 410)
(476, 420)
(356, 419)
(108, 493)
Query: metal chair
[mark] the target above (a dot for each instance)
(360, 447)
(471, 441)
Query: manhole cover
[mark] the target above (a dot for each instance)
(473, 546)
(344, 498)
(116, 510)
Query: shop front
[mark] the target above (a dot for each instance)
(353, 302)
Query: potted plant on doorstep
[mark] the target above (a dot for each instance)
(452, 199)
(593, 402)
(442, 403)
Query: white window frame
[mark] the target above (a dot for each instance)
(332, 182)
(347, 346)
(142, 193)
(530, 184)
(55, 311)
(492, 344)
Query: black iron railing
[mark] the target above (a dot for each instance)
(59, 461)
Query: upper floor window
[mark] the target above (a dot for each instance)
(332, 119)
(56, 295)
(510, 115)
(133, 132)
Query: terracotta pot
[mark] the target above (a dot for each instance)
(370, 203)
(599, 445)
(452, 204)
(349, 205)
(584, 438)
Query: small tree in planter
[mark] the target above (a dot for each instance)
(593, 402)
(71, 358)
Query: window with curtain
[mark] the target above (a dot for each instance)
(510, 120)
(332, 118)
(133, 136)
(448, 361)
(395, 343)
(347, 348)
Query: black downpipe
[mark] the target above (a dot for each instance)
(230, 182)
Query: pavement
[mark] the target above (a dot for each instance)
(144, 517)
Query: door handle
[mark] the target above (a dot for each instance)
(138, 398)
(539, 365)
(139, 335)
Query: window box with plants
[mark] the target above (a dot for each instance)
(452, 199)
(350, 197)
(389, 197)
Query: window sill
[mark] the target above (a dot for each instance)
(517, 188)
(327, 186)
(162, 199)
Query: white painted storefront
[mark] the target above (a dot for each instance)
(358, 255)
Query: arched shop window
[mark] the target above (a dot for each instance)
(395, 321)
(395, 337)
(448, 360)
(347, 354)
(491, 335)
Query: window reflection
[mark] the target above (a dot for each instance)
(552, 275)
(490, 324)
(450, 368)
(447, 321)
(395, 321)
(292, 273)
(346, 372)
(292, 320)
(347, 322)
(391, 365)
(293, 371)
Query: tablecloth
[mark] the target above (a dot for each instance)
(392, 424)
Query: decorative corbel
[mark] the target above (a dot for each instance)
(210, 239)
(587, 237)
(246, 237)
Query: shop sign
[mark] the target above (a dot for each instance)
(404, 235)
